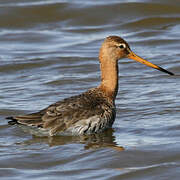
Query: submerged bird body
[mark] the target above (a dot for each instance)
(92, 111)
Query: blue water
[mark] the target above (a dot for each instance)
(49, 51)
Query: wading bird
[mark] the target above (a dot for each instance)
(92, 111)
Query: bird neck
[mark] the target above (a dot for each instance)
(109, 77)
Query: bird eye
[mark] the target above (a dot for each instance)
(122, 46)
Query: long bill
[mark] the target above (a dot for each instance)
(135, 57)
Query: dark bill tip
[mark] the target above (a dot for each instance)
(168, 72)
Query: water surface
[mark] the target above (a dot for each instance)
(49, 51)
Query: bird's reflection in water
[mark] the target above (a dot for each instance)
(93, 141)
